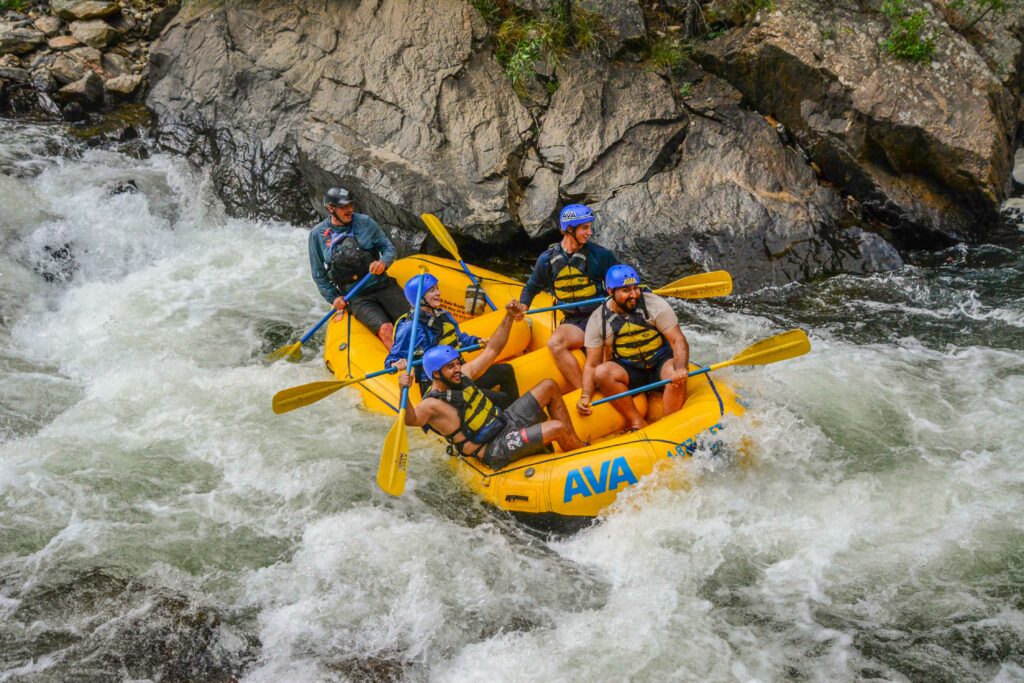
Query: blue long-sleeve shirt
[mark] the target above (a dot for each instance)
(426, 339)
(599, 260)
(369, 236)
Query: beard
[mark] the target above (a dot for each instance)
(449, 383)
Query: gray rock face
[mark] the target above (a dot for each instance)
(713, 187)
(540, 203)
(94, 33)
(72, 10)
(604, 125)
(625, 17)
(281, 98)
(19, 40)
(926, 148)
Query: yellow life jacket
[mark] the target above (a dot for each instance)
(635, 340)
(479, 419)
(570, 281)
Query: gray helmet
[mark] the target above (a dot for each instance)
(337, 196)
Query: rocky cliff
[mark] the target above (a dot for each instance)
(405, 103)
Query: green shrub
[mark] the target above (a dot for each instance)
(523, 39)
(668, 52)
(905, 38)
(16, 5)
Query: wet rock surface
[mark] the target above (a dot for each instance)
(926, 148)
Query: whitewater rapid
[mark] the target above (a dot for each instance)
(157, 521)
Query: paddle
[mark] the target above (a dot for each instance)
(394, 458)
(296, 397)
(771, 350)
(700, 286)
(292, 349)
(440, 233)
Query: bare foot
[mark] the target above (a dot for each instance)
(638, 425)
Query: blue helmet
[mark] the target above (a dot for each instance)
(621, 275)
(414, 282)
(573, 215)
(438, 357)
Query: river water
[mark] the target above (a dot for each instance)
(158, 522)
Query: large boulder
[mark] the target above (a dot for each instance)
(925, 147)
(706, 186)
(392, 99)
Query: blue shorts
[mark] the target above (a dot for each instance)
(639, 377)
(579, 321)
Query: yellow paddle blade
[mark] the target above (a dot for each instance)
(700, 286)
(289, 352)
(771, 350)
(441, 234)
(296, 397)
(394, 459)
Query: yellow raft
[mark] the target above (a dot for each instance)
(577, 484)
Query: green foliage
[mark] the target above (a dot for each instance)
(905, 38)
(523, 39)
(828, 33)
(15, 5)
(685, 90)
(668, 52)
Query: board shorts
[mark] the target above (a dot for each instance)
(522, 435)
(639, 377)
(579, 321)
(383, 304)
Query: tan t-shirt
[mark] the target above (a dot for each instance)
(658, 312)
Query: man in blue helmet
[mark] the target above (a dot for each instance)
(639, 332)
(473, 426)
(437, 327)
(342, 249)
(572, 270)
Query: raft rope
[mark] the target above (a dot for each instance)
(348, 344)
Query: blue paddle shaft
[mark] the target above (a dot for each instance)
(352, 292)
(477, 284)
(416, 363)
(316, 327)
(574, 304)
(646, 387)
(412, 339)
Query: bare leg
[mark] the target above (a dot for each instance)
(563, 341)
(386, 333)
(612, 379)
(559, 428)
(674, 397)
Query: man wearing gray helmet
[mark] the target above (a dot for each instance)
(344, 247)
